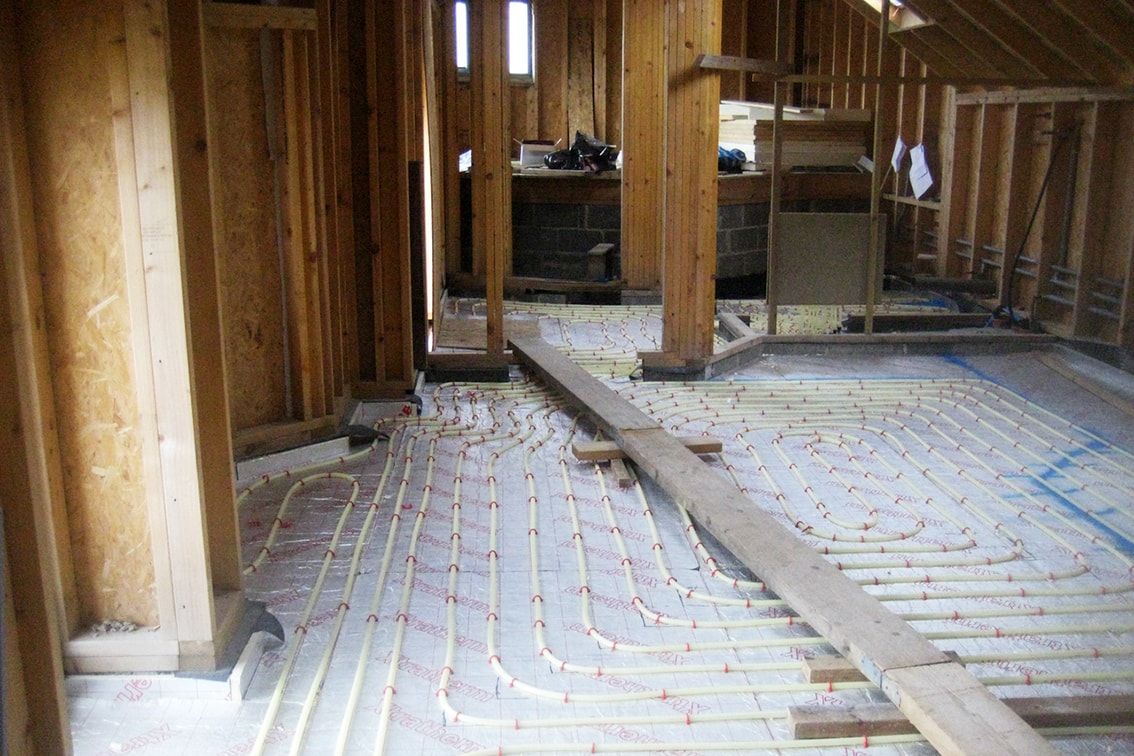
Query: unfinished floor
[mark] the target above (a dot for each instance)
(467, 585)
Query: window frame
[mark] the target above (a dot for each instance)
(460, 8)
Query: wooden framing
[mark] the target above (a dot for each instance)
(872, 720)
(643, 151)
(947, 704)
(36, 577)
(492, 165)
(689, 257)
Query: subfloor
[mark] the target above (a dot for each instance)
(466, 585)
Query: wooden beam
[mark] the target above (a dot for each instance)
(946, 703)
(690, 256)
(1045, 95)
(738, 63)
(37, 575)
(808, 722)
(978, 42)
(210, 385)
(1013, 34)
(492, 164)
(1083, 53)
(163, 251)
(235, 16)
(643, 149)
(597, 451)
(1107, 25)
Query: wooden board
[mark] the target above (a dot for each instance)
(603, 450)
(470, 333)
(89, 304)
(247, 240)
(947, 704)
(34, 694)
(824, 258)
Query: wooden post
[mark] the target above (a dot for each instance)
(692, 129)
(775, 198)
(209, 383)
(874, 259)
(163, 251)
(33, 502)
(643, 149)
(492, 164)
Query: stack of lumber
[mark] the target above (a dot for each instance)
(812, 137)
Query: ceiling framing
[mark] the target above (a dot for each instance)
(1088, 42)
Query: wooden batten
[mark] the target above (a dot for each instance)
(690, 181)
(162, 248)
(643, 150)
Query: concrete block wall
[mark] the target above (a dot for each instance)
(551, 240)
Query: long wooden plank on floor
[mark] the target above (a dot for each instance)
(822, 721)
(594, 451)
(943, 700)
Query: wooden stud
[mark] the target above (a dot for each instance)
(36, 565)
(147, 48)
(1122, 234)
(492, 165)
(876, 254)
(643, 149)
(599, 66)
(223, 566)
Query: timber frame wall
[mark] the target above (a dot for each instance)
(213, 215)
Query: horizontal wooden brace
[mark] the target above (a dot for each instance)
(235, 16)
(818, 721)
(597, 451)
(737, 63)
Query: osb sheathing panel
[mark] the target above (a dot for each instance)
(71, 150)
(247, 249)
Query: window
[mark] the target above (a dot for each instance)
(519, 39)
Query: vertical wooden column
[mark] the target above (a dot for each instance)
(492, 164)
(389, 194)
(643, 135)
(692, 131)
(779, 96)
(875, 254)
(209, 384)
(450, 176)
(31, 482)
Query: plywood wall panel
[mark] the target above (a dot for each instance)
(551, 30)
(75, 184)
(248, 251)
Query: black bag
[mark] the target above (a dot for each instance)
(586, 154)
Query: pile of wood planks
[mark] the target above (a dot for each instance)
(812, 137)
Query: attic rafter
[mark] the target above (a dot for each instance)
(1061, 32)
(1016, 36)
(976, 40)
(1110, 24)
